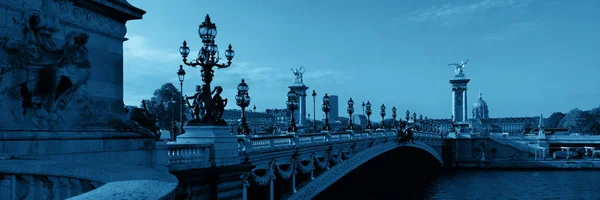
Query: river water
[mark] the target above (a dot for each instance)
(511, 184)
(404, 174)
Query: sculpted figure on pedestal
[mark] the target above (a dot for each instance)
(219, 102)
(144, 118)
(196, 104)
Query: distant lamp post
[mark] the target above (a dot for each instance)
(369, 112)
(350, 112)
(326, 107)
(242, 99)
(254, 118)
(414, 117)
(363, 106)
(382, 116)
(314, 95)
(394, 115)
(291, 104)
(208, 57)
(181, 76)
(426, 122)
(407, 116)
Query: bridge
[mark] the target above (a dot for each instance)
(65, 134)
(305, 163)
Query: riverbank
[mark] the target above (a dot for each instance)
(532, 164)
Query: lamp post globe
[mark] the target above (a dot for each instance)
(326, 108)
(207, 59)
(369, 126)
(350, 112)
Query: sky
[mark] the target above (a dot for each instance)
(527, 57)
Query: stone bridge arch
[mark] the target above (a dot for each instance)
(322, 182)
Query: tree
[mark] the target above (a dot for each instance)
(165, 104)
(578, 121)
(554, 119)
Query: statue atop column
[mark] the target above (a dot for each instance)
(458, 68)
(298, 73)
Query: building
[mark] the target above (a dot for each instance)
(335, 109)
(282, 117)
(256, 120)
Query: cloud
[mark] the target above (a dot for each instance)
(138, 47)
(514, 30)
(451, 14)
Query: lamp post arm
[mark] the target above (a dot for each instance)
(191, 63)
(221, 66)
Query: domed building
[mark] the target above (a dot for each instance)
(480, 109)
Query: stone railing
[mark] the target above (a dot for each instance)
(182, 156)
(46, 179)
(269, 143)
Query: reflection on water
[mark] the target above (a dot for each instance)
(510, 184)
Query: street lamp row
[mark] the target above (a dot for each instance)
(208, 58)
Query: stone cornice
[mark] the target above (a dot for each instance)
(87, 14)
(119, 10)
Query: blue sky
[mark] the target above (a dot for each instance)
(528, 57)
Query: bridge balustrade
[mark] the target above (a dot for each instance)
(188, 154)
(269, 143)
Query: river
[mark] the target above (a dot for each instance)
(407, 175)
(512, 184)
(479, 185)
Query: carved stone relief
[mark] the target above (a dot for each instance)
(42, 83)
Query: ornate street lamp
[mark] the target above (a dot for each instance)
(314, 95)
(407, 116)
(350, 112)
(208, 57)
(181, 76)
(382, 116)
(291, 104)
(326, 107)
(369, 112)
(242, 99)
(394, 115)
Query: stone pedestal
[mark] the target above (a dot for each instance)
(224, 149)
(300, 89)
(459, 98)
